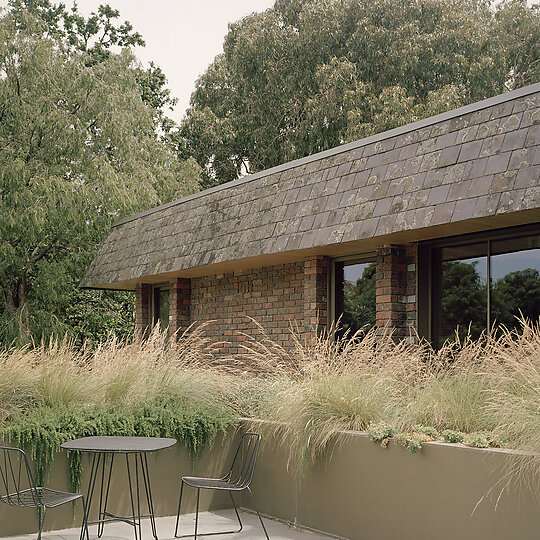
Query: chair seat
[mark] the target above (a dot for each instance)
(47, 497)
(211, 483)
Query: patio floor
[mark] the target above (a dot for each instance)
(208, 521)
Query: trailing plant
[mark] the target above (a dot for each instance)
(156, 388)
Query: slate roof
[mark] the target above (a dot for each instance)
(476, 161)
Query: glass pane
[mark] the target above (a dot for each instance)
(515, 280)
(358, 296)
(463, 293)
(163, 308)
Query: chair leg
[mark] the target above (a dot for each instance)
(41, 516)
(197, 514)
(258, 513)
(179, 504)
(236, 512)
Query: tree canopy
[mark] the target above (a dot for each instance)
(307, 75)
(79, 148)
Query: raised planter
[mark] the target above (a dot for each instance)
(362, 491)
(166, 468)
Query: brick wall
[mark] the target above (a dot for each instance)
(142, 307)
(273, 296)
(179, 305)
(279, 296)
(315, 295)
(396, 288)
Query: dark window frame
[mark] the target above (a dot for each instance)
(428, 284)
(337, 264)
(155, 304)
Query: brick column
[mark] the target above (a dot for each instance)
(142, 308)
(179, 305)
(391, 285)
(315, 296)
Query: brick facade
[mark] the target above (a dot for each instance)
(315, 295)
(179, 305)
(396, 289)
(272, 296)
(280, 296)
(142, 307)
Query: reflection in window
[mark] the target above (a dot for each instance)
(463, 293)
(355, 296)
(515, 280)
(160, 311)
(463, 300)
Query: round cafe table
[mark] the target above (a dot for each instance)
(134, 450)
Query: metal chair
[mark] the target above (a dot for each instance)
(17, 488)
(238, 478)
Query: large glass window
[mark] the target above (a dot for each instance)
(354, 295)
(483, 284)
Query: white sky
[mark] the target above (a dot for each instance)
(182, 36)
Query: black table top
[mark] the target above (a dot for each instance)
(123, 445)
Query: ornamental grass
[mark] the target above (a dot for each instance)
(483, 392)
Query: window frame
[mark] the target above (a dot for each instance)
(153, 312)
(336, 265)
(428, 286)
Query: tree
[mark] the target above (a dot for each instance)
(96, 36)
(307, 75)
(359, 301)
(463, 301)
(516, 294)
(78, 150)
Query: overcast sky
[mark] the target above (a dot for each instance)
(182, 36)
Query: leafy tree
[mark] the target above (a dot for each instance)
(97, 36)
(94, 315)
(359, 304)
(515, 294)
(463, 301)
(78, 150)
(307, 75)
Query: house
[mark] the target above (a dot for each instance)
(432, 225)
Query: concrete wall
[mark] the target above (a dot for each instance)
(166, 468)
(358, 491)
(361, 491)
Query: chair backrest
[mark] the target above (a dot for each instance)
(17, 485)
(243, 465)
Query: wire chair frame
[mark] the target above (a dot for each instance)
(237, 479)
(18, 488)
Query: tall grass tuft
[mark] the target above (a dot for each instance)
(152, 387)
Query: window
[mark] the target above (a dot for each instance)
(480, 284)
(159, 314)
(353, 293)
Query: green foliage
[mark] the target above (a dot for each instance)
(78, 150)
(414, 445)
(380, 432)
(92, 316)
(478, 440)
(43, 429)
(516, 292)
(359, 302)
(305, 76)
(156, 388)
(452, 436)
(463, 301)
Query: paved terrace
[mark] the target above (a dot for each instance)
(208, 521)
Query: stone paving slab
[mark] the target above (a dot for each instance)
(208, 522)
